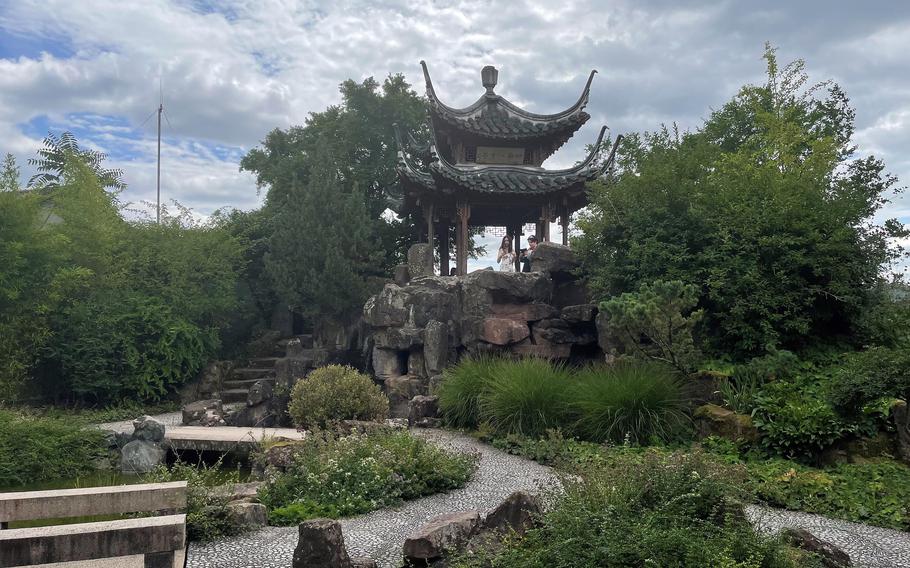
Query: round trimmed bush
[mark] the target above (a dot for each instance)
(336, 392)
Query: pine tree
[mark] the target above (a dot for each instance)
(321, 250)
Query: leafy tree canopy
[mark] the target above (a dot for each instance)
(763, 208)
(52, 161)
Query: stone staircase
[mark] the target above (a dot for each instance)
(236, 387)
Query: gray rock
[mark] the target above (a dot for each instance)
(555, 331)
(436, 347)
(606, 336)
(261, 415)
(555, 258)
(416, 364)
(831, 555)
(400, 391)
(434, 383)
(579, 313)
(260, 392)
(501, 331)
(420, 260)
(387, 363)
(289, 370)
(248, 515)
(524, 312)
(441, 534)
(509, 287)
(401, 275)
(517, 512)
(204, 413)
(387, 308)
(363, 562)
(148, 429)
(141, 456)
(401, 338)
(320, 545)
(422, 407)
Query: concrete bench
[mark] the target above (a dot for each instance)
(153, 542)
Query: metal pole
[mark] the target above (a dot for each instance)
(158, 208)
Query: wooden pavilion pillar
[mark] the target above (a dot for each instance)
(428, 215)
(515, 231)
(543, 226)
(461, 239)
(444, 247)
(564, 221)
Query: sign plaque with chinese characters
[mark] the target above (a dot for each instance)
(494, 155)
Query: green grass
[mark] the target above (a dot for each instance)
(627, 402)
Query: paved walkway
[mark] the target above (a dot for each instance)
(380, 534)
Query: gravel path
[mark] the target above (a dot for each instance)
(380, 534)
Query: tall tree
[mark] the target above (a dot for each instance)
(52, 161)
(763, 208)
(9, 176)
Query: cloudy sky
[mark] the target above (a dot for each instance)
(233, 70)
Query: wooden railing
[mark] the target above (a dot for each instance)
(152, 542)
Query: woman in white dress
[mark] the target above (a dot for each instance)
(505, 257)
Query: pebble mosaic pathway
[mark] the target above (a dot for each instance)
(380, 534)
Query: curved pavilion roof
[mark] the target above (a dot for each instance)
(494, 118)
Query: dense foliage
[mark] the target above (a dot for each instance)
(762, 208)
(207, 515)
(97, 308)
(34, 448)
(631, 401)
(336, 392)
(648, 509)
(332, 476)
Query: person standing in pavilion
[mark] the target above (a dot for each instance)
(528, 254)
(506, 256)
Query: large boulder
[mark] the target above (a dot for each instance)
(148, 429)
(416, 364)
(580, 313)
(247, 515)
(401, 275)
(423, 411)
(387, 308)
(703, 387)
(714, 420)
(420, 260)
(387, 363)
(399, 337)
(557, 331)
(534, 311)
(518, 512)
(830, 554)
(508, 287)
(321, 544)
(141, 456)
(607, 336)
(440, 534)
(203, 413)
(501, 331)
(436, 347)
(289, 369)
(554, 258)
(400, 391)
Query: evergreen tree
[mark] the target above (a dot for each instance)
(9, 176)
(322, 248)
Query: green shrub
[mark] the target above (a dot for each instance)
(341, 476)
(876, 493)
(527, 396)
(35, 449)
(656, 322)
(630, 401)
(796, 420)
(646, 510)
(740, 391)
(868, 376)
(207, 515)
(459, 392)
(336, 392)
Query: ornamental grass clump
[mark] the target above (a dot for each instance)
(526, 397)
(333, 393)
(631, 401)
(459, 393)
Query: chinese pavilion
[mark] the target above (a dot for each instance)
(483, 167)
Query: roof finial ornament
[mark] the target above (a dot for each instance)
(489, 75)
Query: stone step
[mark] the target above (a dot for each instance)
(246, 383)
(234, 395)
(262, 362)
(250, 373)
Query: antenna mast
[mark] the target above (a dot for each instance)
(160, 110)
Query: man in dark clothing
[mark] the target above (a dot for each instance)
(527, 254)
